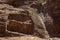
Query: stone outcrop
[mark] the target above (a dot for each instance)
(16, 19)
(21, 20)
(31, 18)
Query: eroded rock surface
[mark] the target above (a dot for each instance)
(22, 20)
(52, 7)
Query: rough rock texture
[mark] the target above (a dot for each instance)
(16, 3)
(22, 20)
(22, 38)
(52, 7)
(15, 19)
(28, 19)
(27, 38)
(21, 23)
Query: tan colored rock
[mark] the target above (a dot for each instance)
(22, 38)
(23, 20)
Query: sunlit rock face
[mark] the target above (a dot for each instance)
(52, 7)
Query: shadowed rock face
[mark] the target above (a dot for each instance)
(53, 9)
(6, 1)
(20, 23)
(2, 23)
(15, 3)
